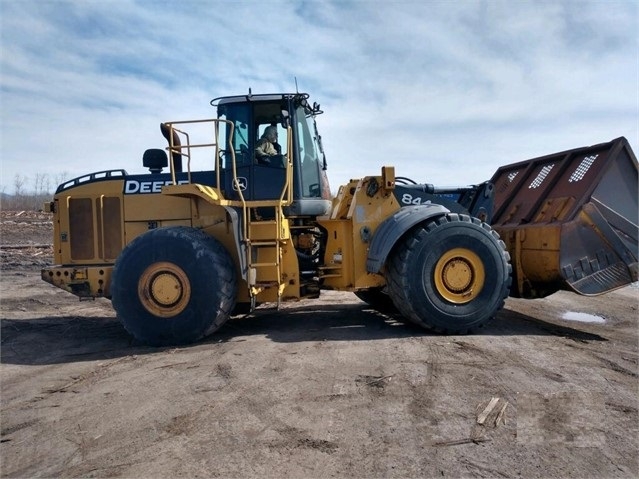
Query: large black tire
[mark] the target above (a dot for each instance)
(451, 275)
(378, 299)
(173, 286)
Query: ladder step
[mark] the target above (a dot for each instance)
(270, 235)
(266, 284)
(263, 222)
(263, 243)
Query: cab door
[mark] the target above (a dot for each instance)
(257, 180)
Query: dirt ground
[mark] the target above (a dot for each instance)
(325, 388)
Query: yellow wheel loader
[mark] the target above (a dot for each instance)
(181, 251)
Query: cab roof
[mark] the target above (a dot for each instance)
(222, 100)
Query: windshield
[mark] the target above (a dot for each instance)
(309, 154)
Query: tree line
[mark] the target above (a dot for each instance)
(30, 193)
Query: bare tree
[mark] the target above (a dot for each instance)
(18, 184)
(37, 183)
(18, 191)
(41, 190)
(61, 178)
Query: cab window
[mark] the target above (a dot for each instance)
(308, 149)
(240, 115)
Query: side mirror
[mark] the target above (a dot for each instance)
(284, 119)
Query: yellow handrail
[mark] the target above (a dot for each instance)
(184, 149)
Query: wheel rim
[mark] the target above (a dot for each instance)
(459, 275)
(164, 289)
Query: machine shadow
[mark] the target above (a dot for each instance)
(54, 340)
(359, 322)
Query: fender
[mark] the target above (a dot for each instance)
(393, 228)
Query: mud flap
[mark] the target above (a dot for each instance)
(569, 220)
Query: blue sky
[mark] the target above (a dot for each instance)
(444, 91)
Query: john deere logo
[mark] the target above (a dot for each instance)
(241, 185)
(134, 187)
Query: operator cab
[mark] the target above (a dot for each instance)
(256, 119)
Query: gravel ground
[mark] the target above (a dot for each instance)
(322, 388)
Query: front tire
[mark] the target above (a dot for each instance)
(378, 299)
(451, 275)
(173, 286)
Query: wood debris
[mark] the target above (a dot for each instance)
(467, 440)
(493, 413)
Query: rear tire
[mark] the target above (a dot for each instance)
(173, 286)
(451, 275)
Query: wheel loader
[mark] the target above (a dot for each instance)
(183, 248)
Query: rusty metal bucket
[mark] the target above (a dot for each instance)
(569, 220)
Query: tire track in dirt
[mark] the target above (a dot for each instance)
(317, 391)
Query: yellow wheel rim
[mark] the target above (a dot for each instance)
(164, 289)
(459, 275)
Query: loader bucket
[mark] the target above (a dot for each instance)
(569, 220)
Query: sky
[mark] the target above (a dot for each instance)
(445, 91)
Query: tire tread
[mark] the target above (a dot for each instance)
(405, 253)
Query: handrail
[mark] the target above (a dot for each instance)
(287, 189)
(103, 252)
(185, 149)
(176, 146)
(179, 149)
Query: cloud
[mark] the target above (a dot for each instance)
(446, 92)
